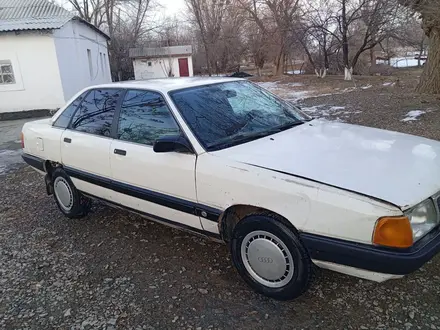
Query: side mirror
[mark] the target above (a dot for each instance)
(172, 143)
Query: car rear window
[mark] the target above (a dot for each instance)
(64, 119)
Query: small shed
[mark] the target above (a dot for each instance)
(149, 63)
(47, 54)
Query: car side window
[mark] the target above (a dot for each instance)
(96, 112)
(145, 117)
(64, 119)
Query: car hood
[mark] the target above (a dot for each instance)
(397, 168)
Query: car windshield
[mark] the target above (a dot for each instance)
(231, 113)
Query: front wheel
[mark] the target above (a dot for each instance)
(70, 201)
(270, 257)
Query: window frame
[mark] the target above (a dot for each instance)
(170, 109)
(7, 63)
(115, 116)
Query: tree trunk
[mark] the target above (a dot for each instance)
(208, 59)
(345, 42)
(279, 64)
(372, 57)
(430, 79)
(422, 48)
(348, 73)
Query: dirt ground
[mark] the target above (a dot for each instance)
(115, 270)
(380, 101)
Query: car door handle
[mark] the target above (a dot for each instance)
(67, 140)
(120, 152)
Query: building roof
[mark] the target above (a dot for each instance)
(165, 85)
(160, 52)
(19, 15)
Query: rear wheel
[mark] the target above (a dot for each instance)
(70, 201)
(270, 257)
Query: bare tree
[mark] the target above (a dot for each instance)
(429, 11)
(90, 10)
(231, 45)
(208, 15)
(361, 26)
(257, 45)
(318, 35)
(274, 19)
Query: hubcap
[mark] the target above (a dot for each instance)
(267, 259)
(63, 193)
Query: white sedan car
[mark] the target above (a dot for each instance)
(227, 159)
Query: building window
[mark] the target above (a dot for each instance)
(89, 57)
(6, 73)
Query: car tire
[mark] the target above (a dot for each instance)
(70, 201)
(270, 257)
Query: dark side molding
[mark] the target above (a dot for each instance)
(172, 202)
(373, 258)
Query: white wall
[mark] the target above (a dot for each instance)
(71, 43)
(159, 67)
(34, 61)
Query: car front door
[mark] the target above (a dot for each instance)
(85, 144)
(158, 184)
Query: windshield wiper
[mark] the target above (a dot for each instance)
(251, 136)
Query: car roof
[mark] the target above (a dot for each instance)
(166, 85)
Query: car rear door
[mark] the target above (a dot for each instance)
(158, 184)
(85, 144)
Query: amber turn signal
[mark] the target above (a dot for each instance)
(393, 232)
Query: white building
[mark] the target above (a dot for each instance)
(47, 55)
(162, 62)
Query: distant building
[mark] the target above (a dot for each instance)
(47, 54)
(149, 63)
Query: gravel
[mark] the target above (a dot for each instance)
(115, 270)
(99, 273)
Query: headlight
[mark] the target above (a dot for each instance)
(423, 219)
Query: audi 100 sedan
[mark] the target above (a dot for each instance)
(229, 160)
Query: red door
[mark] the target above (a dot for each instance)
(183, 67)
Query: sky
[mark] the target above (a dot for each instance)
(172, 7)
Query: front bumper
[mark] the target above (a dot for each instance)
(373, 258)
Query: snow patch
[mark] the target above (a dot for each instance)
(413, 115)
(334, 113)
(366, 87)
(402, 62)
(285, 91)
(295, 84)
(389, 83)
(270, 85)
(295, 96)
